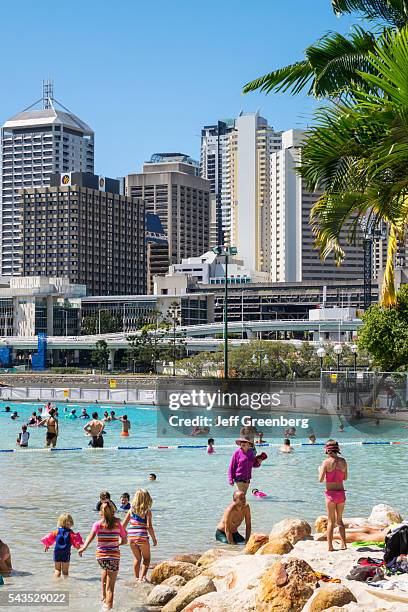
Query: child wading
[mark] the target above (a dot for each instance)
(110, 535)
(63, 538)
(140, 527)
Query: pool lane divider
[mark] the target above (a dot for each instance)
(185, 446)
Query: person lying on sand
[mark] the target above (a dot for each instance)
(360, 533)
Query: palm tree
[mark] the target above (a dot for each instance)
(357, 153)
(334, 63)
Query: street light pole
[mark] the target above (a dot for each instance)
(226, 251)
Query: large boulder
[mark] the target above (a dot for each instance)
(292, 529)
(175, 581)
(187, 558)
(276, 546)
(193, 589)
(321, 524)
(213, 554)
(255, 542)
(382, 514)
(286, 586)
(331, 595)
(174, 568)
(160, 595)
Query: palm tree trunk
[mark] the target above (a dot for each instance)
(388, 294)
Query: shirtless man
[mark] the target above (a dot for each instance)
(286, 447)
(95, 429)
(234, 514)
(5, 560)
(52, 429)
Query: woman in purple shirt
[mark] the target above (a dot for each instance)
(241, 464)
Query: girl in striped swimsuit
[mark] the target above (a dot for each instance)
(140, 527)
(110, 535)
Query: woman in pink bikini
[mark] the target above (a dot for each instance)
(334, 471)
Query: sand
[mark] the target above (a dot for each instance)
(339, 563)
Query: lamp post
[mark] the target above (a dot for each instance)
(338, 349)
(258, 359)
(321, 353)
(354, 349)
(226, 252)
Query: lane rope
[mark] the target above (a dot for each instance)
(161, 447)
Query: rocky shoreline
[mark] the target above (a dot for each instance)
(280, 572)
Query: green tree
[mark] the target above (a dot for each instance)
(384, 334)
(357, 152)
(173, 322)
(336, 62)
(104, 322)
(100, 356)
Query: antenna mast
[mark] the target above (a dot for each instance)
(48, 93)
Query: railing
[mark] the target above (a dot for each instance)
(76, 394)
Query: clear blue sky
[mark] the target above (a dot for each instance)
(148, 75)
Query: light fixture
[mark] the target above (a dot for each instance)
(266, 359)
(354, 348)
(338, 349)
(254, 359)
(321, 352)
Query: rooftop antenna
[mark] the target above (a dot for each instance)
(48, 94)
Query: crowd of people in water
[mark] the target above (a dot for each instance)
(136, 528)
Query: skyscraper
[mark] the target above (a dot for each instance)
(292, 252)
(235, 155)
(181, 199)
(36, 143)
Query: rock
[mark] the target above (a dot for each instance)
(175, 581)
(382, 514)
(193, 589)
(214, 554)
(255, 542)
(160, 595)
(321, 524)
(331, 595)
(286, 586)
(174, 568)
(293, 529)
(276, 546)
(186, 558)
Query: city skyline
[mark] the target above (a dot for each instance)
(161, 78)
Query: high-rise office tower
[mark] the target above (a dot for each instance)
(81, 228)
(292, 252)
(235, 156)
(171, 190)
(34, 144)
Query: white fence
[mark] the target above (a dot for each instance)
(111, 396)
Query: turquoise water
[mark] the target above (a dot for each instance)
(189, 495)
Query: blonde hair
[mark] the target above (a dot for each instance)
(142, 502)
(65, 520)
(108, 513)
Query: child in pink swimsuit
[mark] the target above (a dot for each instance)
(334, 471)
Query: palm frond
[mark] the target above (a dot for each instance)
(293, 78)
(391, 12)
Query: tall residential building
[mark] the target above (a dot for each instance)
(81, 228)
(181, 200)
(292, 253)
(35, 143)
(235, 157)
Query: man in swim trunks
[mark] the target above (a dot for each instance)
(51, 423)
(95, 429)
(234, 515)
(5, 560)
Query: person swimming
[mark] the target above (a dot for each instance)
(124, 501)
(125, 426)
(258, 493)
(152, 477)
(286, 447)
(210, 447)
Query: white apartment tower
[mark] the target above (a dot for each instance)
(35, 144)
(235, 157)
(292, 253)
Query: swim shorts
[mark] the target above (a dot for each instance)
(336, 497)
(62, 556)
(97, 442)
(50, 436)
(241, 480)
(111, 565)
(221, 537)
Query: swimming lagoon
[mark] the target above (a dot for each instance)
(189, 495)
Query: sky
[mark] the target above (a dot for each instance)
(146, 76)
